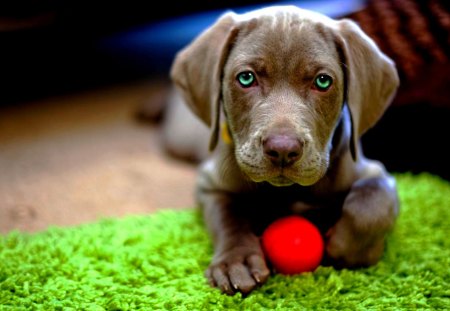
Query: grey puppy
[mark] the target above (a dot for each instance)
(293, 91)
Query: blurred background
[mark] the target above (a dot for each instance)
(75, 76)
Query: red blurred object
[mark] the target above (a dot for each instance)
(293, 245)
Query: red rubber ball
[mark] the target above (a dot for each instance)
(293, 245)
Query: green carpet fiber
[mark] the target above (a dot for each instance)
(156, 262)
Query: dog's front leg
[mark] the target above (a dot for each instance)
(238, 263)
(368, 214)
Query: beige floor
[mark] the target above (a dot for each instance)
(74, 159)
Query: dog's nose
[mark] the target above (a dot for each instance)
(283, 150)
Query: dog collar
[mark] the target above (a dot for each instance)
(226, 133)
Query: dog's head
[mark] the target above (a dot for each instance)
(282, 76)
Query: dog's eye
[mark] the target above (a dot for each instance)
(323, 82)
(246, 78)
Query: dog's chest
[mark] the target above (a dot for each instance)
(270, 203)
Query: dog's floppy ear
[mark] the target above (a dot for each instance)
(197, 71)
(371, 79)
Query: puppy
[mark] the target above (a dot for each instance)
(292, 92)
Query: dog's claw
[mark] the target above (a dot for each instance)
(243, 275)
(257, 278)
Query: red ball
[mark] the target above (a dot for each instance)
(293, 245)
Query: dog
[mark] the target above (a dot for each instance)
(282, 96)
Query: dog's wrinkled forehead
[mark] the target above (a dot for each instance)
(284, 20)
(276, 32)
(284, 14)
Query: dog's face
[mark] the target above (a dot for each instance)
(283, 94)
(282, 75)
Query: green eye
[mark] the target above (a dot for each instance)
(246, 78)
(323, 82)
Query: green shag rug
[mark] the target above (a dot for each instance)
(156, 262)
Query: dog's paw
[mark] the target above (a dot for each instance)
(368, 214)
(348, 248)
(240, 269)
